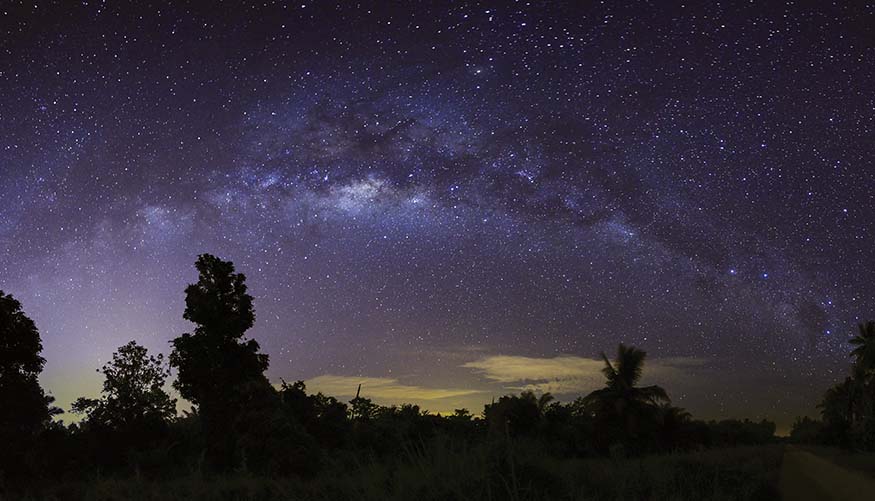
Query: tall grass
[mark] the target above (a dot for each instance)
(442, 470)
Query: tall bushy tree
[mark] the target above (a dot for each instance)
(24, 408)
(219, 370)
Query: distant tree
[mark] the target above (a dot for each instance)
(514, 415)
(674, 430)
(362, 409)
(733, 432)
(25, 409)
(133, 393)
(460, 415)
(542, 401)
(462, 424)
(622, 405)
(806, 431)
(325, 418)
(835, 410)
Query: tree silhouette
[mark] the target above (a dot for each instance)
(25, 408)
(673, 424)
(133, 392)
(862, 403)
(218, 370)
(133, 412)
(622, 377)
(848, 408)
(362, 409)
(806, 430)
(864, 346)
(836, 408)
(542, 402)
(325, 418)
(514, 415)
(622, 403)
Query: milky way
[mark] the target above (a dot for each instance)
(451, 203)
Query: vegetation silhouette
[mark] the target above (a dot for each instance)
(848, 408)
(222, 374)
(622, 408)
(25, 409)
(247, 439)
(133, 392)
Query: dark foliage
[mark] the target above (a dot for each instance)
(624, 411)
(241, 425)
(806, 431)
(133, 411)
(219, 371)
(731, 432)
(25, 410)
(133, 392)
(848, 408)
(324, 418)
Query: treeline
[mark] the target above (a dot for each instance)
(240, 422)
(848, 408)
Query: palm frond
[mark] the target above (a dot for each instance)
(608, 370)
(630, 364)
(599, 397)
(652, 394)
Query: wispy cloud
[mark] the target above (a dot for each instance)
(564, 375)
(569, 374)
(509, 369)
(379, 388)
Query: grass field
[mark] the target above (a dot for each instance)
(480, 473)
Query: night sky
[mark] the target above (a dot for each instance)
(451, 202)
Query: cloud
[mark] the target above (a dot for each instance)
(495, 375)
(509, 369)
(380, 388)
(569, 374)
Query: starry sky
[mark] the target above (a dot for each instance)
(447, 202)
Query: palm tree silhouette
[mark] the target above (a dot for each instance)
(542, 402)
(622, 377)
(861, 405)
(621, 400)
(864, 343)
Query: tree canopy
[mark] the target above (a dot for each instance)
(25, 409)
(133, 391)
(213, 360)
(20, 344)
(220, 371)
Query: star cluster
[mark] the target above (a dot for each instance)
(422, 194)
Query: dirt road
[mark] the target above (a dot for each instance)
(805, 476)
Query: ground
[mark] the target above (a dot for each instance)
(822, 474)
